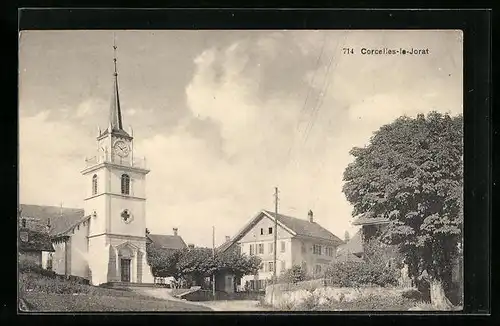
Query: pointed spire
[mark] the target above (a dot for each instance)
(115, 115)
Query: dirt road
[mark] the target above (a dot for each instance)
(222, 305)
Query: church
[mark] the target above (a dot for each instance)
(105, 240)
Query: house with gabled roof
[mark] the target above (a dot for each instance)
(35, 247)
(167, 243)
(301, 242)
(372, 226)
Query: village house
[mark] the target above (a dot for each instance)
(372, 226)
(354, 249)
(34, 246)
(369, 227)
(166, 243)
(300, 242)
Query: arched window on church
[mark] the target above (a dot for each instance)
(94, 184)
(125, 184)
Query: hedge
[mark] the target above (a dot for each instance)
(354, 274)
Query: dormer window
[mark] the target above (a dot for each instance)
(94, 184)
(125, 184)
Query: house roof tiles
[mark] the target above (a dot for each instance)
(353, 246)
(163, 241)
(305, 228)
(62, 219)
(369, 219)
(298, 227)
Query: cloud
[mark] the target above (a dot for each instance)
(51, 156)
(245, 129)
(257, 138)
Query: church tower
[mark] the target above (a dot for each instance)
(115, 199)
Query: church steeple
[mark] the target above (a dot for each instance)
(115, 114)
(115, 124)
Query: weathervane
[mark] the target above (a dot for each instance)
(114, 51)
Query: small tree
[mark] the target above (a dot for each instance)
(293, 275)
(412, 174)
(164, 263)
(347, 236)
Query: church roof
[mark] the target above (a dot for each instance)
(62, 219)
(165, 241)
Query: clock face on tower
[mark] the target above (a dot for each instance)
(121, 148)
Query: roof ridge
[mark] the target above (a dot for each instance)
(51, 206)
(306, 222)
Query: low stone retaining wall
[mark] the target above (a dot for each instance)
(207, 295)
(295, 294)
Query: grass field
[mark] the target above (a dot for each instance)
(41, 293)
(50, 302)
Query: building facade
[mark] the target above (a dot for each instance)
(35, 247)
(300, 242)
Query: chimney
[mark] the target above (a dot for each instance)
(191, 246)
(175, 231)
(228, 238)
(310, 215)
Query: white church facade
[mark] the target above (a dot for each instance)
(106, 240)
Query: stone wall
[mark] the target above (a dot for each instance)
(294, 294)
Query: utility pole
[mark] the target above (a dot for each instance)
(213, 254)
(275, 242)
(275, 230)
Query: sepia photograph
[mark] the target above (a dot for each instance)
(240, 170)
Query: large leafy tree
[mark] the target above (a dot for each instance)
(412, 173)
(164, 262)
(237, 263)
(198, 263)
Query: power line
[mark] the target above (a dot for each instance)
(323, 92)
(311, 86)
(320, 103)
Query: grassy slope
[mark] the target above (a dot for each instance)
(43, 293)
(83, 303)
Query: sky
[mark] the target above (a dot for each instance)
(223, 117)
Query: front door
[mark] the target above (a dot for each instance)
(125, 264)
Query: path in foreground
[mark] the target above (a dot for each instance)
(222, 305)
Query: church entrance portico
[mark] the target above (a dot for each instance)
(126, 263)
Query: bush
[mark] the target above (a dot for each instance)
(28, 266)
(293, 275)
(30, 281)
(372, 302)
(354, 274)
